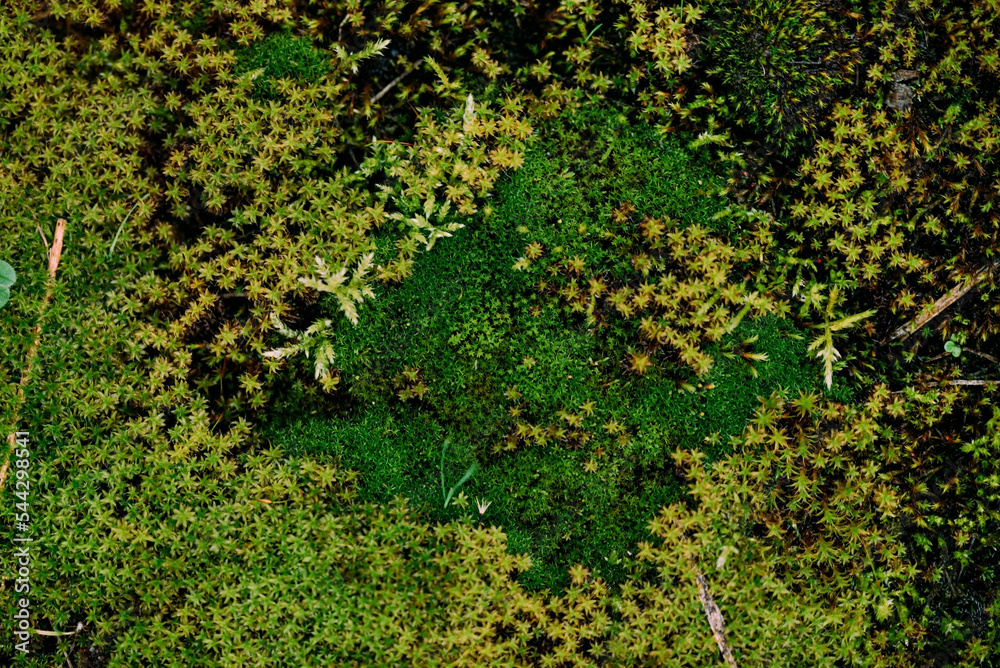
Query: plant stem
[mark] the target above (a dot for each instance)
(54, 254)
(940, 305)
(391, 84)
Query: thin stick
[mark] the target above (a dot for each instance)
(983, 355)
(967, 382)
(340, 28)
(713, 613)
(392, 83)
(54, 254)
(971, 352)
(940, 305)
(714, 619)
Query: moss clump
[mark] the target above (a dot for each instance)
(281, 56)
(704, 413)
(782, 62)
(589, 163)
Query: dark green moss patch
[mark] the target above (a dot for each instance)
(281, 56)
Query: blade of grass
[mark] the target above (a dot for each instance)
(443, 448)
(122, 226)
(468, 474)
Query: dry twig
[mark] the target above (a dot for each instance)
(391, 84)
(713, 613)
(714, 619)
(940, 305)
(54, 254)
(966, 382)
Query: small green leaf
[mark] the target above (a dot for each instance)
(7, 275)
(4, 296)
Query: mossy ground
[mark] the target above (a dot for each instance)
(167, 532)
(491, 351)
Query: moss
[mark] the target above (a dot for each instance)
(591, 162)
(723, 400)
(783, 62)
(193, 213)
(396, 449)
(472, 327)
(281, 56)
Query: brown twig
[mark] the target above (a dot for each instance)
(340, 28)
(714, 619)
(391, 84)
(940, 305)
(713, 613)
(971, 352)
(54, 254)
(56, 251)
(983, 355)
(966, 382)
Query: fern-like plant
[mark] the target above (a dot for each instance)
(348, 293)
(313, 341)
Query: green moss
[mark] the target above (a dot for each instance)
(783, 61)
(473, 327)
(192, 213)
(196, 17)
(397, 450)
(725, 398)
(281, 56)
(590, 163)
(550, 507)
